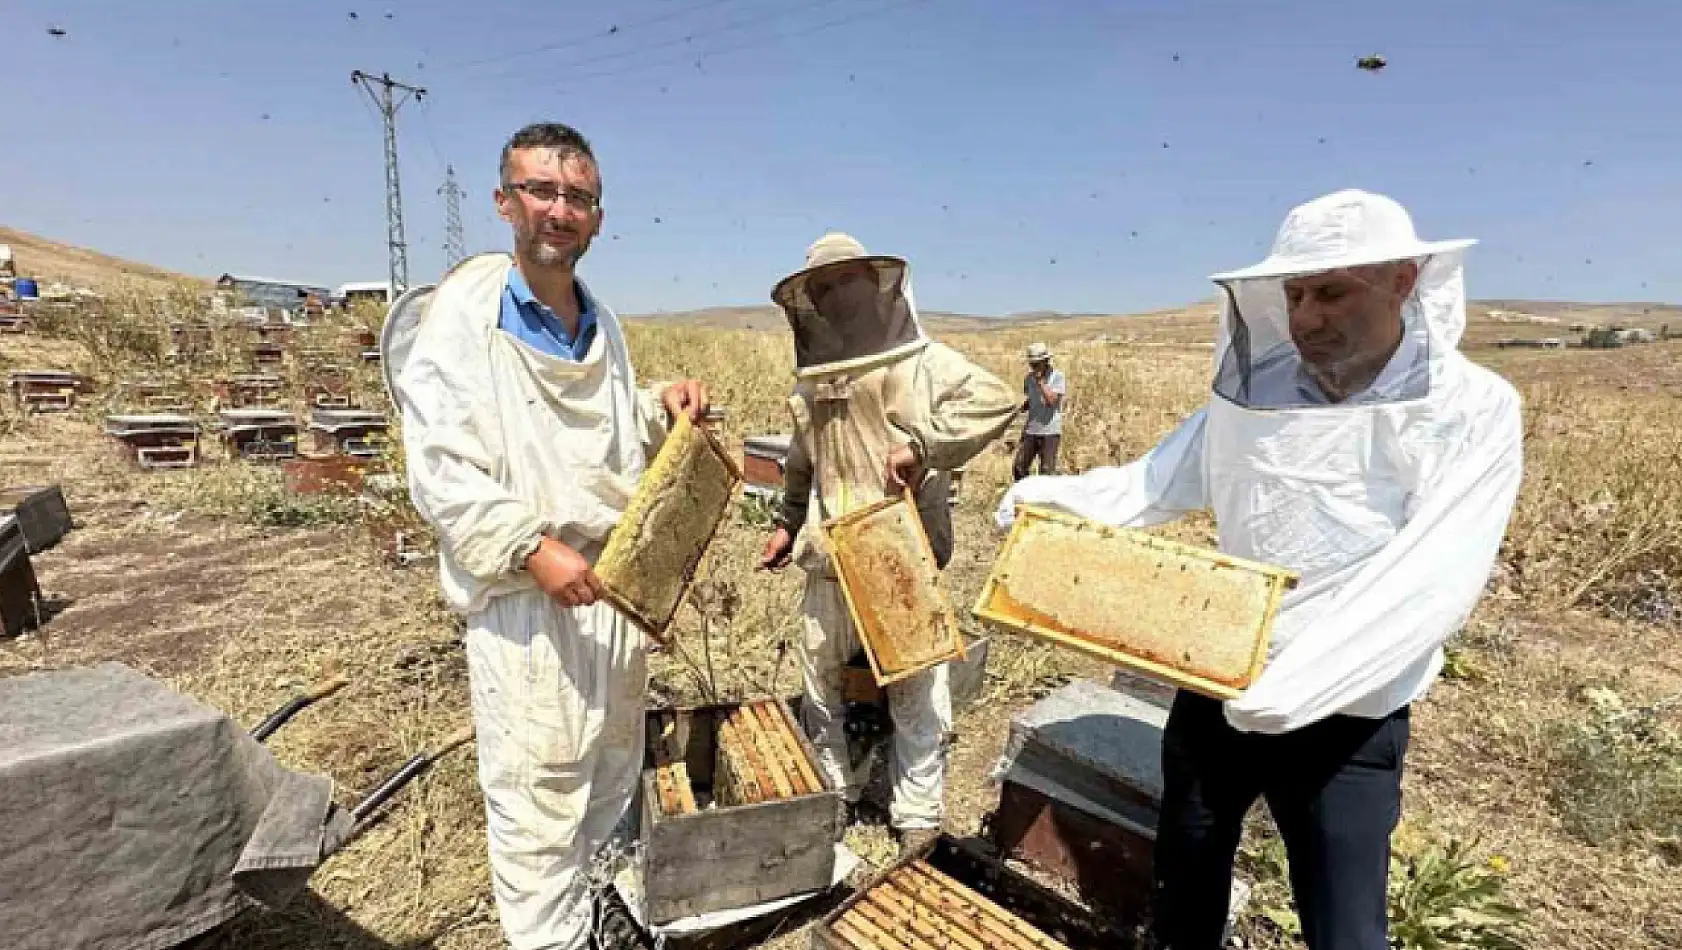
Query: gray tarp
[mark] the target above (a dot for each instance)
(133, 817)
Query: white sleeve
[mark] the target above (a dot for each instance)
(1410, 597)
(445, 394)
(1165, 483)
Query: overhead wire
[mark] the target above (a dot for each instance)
(612, 30)
(758, 41)
(686, 40)
(745, 44)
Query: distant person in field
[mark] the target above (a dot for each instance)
(525, 436)
(1042, 432)
(878, 407)
(1346, 439)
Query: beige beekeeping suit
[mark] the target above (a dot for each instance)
(849, 415)
(503, 442)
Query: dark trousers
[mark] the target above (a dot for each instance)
(1042, 447)
(1335, 791)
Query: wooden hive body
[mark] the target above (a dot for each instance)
(950, 896)
(705, 850)
(891, 583)
(654, 550)
(164, 440)
(1195, 618)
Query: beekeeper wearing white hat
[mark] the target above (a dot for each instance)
(1044, 390)
(1348, 439)
(525, 435)
(877, 406)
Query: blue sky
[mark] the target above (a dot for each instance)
(1013, 150)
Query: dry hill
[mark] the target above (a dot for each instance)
(51, 260)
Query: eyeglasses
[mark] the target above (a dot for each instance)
(547, 192)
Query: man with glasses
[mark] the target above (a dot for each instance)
(878, 408)
(1348, 439)
(525, 437)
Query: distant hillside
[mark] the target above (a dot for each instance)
(767, 317)
(51, 260)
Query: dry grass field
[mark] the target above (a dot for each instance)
(1550, 750)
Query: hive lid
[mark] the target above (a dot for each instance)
(257, 415)
(778, 443)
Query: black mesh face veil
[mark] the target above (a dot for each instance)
(849, 310)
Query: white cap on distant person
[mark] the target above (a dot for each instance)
(1037, 353)
(1347, 228)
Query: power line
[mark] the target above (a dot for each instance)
(748, 44)
(426, 129)
(731, 26)
(613, 30)
(383, 91)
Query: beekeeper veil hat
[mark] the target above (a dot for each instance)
(1256, 363)
(848, 308)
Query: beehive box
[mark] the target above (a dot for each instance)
(41, 512)
(156, 440)
(653, 551)
(355, 432)
(891, 583)
(261, 435)
(250, 390)
(951, 896)
(1195, 618)
(704, 848)
(764, 458)
(47, 390)
(1081, 794)
(151, 395)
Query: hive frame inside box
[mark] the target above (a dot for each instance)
(735, 856)
(948, 620)
(1071, 926)
(656, 482)
(1279, 579)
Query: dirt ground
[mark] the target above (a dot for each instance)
(240, 617)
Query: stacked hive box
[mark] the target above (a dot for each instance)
(735, 811)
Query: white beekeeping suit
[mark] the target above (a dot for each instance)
(870, 381)
(1391, 504)
(503, 442)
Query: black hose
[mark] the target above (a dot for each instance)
(278, 718)
(391, 786)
